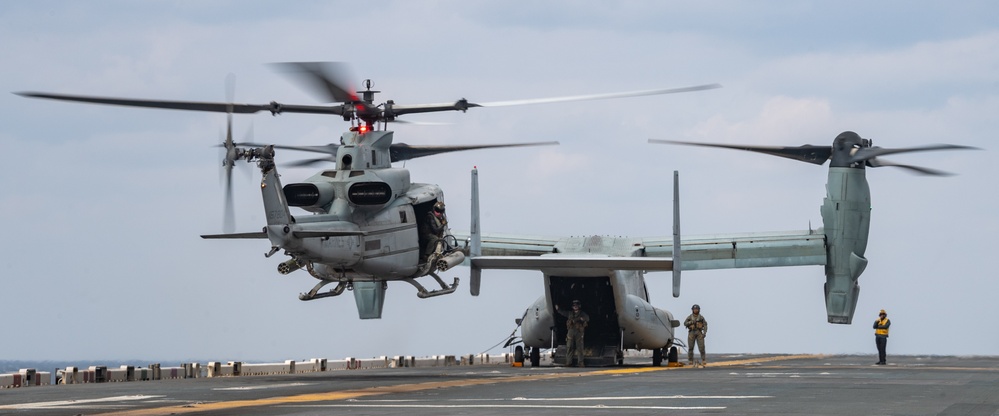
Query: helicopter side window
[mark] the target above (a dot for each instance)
(373, 158)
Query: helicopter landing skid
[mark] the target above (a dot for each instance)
(314, 293)
(423, 293)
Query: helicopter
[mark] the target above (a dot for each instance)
(369, 223)
(607, 274)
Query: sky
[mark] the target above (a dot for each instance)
(103, 206)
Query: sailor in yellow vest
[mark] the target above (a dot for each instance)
(881, 335)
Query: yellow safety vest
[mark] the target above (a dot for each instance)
(881, 331)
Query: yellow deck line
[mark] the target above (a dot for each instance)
(406, 388)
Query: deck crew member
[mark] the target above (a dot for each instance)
(697, 329)
(576, 324)
(881, 335)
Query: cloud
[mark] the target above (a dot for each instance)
(782, 121)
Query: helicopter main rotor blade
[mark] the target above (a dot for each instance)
(872, 152)
(273, 107)
(596, 96)
(460, 105)
(310, 162)
(328, 149)
(464, 105)
(402, 151)
(807, 153)
(327, 81)
(398, 151)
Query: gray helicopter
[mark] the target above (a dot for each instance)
(607, 274)
(370, 223)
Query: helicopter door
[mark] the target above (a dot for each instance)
(421, 211)
(596, 295)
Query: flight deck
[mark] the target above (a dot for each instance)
(731, 384)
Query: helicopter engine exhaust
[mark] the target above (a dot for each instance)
(289, 266)
(450, 260)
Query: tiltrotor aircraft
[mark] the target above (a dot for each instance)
(607, 273)
(370, 223)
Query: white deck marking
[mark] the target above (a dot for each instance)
(262, 387)
(75, 403)
(466, 403)
(509, 406)
(554, 399)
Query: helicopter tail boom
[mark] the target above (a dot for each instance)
(275, 204)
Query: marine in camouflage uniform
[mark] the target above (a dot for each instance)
(576, 324)
(432, 230)
(697, 329)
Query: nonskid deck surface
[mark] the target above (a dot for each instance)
(730, 384)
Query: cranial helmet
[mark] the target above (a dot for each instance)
(696, 306)
(439, 206)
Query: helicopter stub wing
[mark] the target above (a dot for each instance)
(299, 234)
(258, 234)
(324, 234)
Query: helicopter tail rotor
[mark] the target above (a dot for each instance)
(231, 154)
